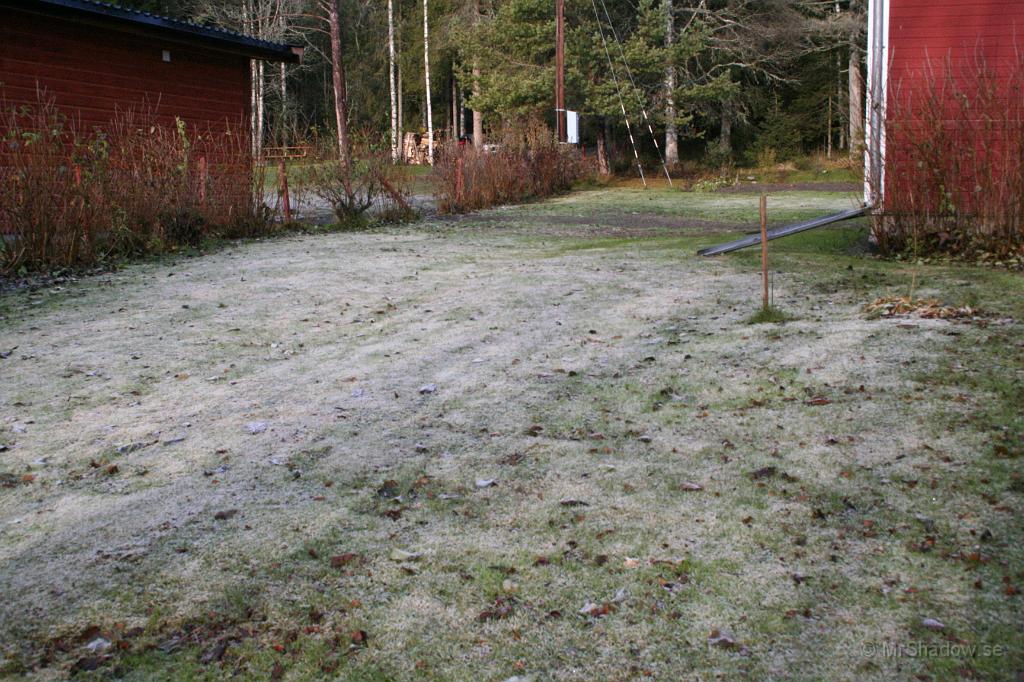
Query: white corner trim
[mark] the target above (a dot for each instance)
(876, 101)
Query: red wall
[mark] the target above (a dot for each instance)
(964, 31)
(955, 106)
(91, 72)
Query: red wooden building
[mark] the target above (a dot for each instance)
(944, 78)
(95, 60)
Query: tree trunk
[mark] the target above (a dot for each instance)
(282, 124)
(856, 100)
(828, 129)
(426, 76)
(253, 108)
(478, 116)
(458, 111)
(260, 86)
(725, 136)
(401, 111)
(602, 152)
(462, 113)
(254, 128)
(607, 142)
(340, 96)
(261, 101)
(455, 107)
(391, 80)
(671, 133)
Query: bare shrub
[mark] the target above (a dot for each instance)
(526, 163)
(374, 185)
(70, 197)
(45, 215)
(955, 162)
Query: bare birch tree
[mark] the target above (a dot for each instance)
(340, 95)
(671, 133)
(426, 76)
(391, 81)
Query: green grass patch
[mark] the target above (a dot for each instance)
(770, 315)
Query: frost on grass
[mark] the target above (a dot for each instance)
(424, 451)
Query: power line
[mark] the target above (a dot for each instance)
(618, 92)
(636, 90)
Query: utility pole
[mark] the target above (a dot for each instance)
(560, 69)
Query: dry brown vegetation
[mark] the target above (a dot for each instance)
(955, 150)
(70, 196)
(526, 163)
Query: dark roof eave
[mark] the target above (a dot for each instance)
(132, 21)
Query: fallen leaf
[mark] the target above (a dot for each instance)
(340, 560)
(502, 608)
(596, 611)
(723, 640)
(389, 488)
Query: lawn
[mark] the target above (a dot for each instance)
(541, 441)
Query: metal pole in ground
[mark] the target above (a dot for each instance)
(764, 250)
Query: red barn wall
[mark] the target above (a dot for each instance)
(938, 118)
(92, 72)
(964, 32)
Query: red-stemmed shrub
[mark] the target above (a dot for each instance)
(143, 184)
(526, 163)
(955, 162)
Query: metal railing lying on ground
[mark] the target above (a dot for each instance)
(784, 231)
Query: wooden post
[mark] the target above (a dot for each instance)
(282, 180)
(764, 250)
